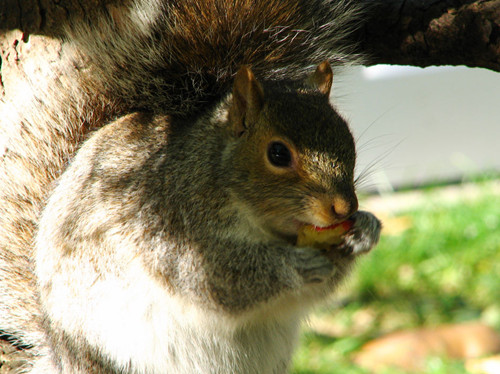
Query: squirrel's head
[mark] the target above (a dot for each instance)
(293, 155)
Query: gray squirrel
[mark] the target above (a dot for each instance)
(162, 239)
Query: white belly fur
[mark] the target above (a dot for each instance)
(137, 323)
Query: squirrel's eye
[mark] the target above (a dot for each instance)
(279, 154)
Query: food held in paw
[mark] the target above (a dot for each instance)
(322, 237)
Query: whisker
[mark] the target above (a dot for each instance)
(377, 162)
(375, 121)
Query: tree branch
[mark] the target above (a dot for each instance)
(410, 32)
(433, 32)
(46, 17)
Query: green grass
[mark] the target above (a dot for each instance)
(445, 268)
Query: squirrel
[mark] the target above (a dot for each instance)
(170, 166)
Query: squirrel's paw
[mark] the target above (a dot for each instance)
(363, 236)
(312, 265)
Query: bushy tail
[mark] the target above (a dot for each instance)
(178, 56)
(41, 126)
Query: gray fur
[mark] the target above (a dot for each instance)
(144, 180)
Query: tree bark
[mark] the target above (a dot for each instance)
(28, 38)
(433, 32)
(46, 17)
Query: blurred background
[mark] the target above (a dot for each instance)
(418, 126)
(427, 299)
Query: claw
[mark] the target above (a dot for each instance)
(313, 265)
(362, 237)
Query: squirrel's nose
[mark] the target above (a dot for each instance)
(344, 207)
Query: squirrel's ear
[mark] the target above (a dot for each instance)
(248, 99)
(322, 78)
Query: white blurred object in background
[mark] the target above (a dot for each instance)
(418, 126)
